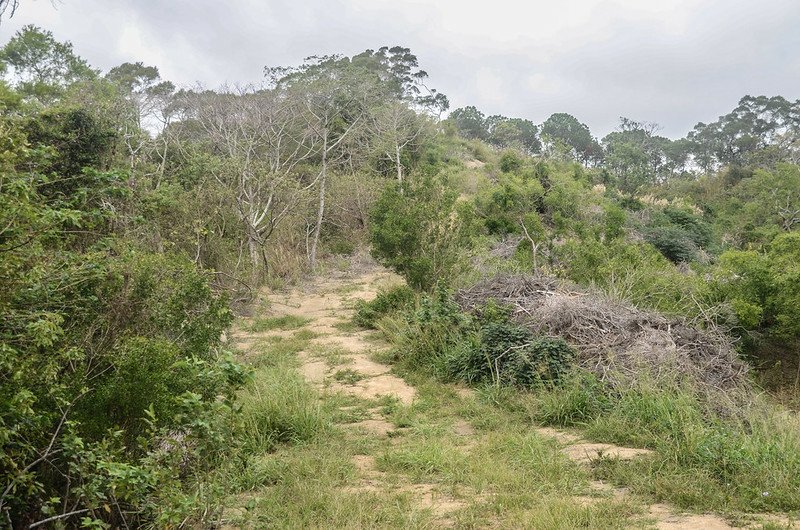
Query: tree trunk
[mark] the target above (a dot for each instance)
(256, 258)
(399, 165)
(312, 256)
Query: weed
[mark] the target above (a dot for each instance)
(348, 376)
(260, 325)
(386, 302)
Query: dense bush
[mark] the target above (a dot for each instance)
(116, 390)
(762, 288)
(673, 242)
(508, 354)
(503, 206)
(386, 302)
(419, 231)
(439, 339)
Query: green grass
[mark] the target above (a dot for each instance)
(305, 334)
(279, 407)
(347, 326)
(348, 376)
(702, 461)
(295, 466)
(294, 462)
(284, 322)
(275, 350)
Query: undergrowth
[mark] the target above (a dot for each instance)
(702, 459)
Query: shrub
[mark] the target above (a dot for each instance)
(432, 332)
(673, 242)
(509, 354)
(696, 229)
(418, 231)
(510, 162)
(386, 302)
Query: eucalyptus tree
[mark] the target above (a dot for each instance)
(148, 115)
(396, 129)
(741, 137)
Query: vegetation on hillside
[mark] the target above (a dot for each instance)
(135, 217)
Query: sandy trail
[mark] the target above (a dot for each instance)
(328, 304)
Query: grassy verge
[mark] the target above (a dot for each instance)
(748, 461)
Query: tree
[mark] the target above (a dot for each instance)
(754, 126)
(763, 288)
(5, 5)
(148, 98)
(636, 155)
(338, 98)
(565, 129)
(418, 231)
(470, 123)
(42, 66)
(763, 205)
(262, 138)
(514, 133)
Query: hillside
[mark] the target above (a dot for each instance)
(329, 300)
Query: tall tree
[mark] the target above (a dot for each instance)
(148, 113)
(337, 98)
(566, 130)
(513, 132)
(470, 122)
(41, 66)
(755, 125)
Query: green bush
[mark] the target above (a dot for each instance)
(432, 332)
(387, 301)
(509, 354)
(696, 228)
(419, 231)
(510, 162)
(502, 206)
(441, 340)
(673, 242)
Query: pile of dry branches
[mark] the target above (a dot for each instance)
(613, 339)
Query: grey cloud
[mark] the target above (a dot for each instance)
(675, 63)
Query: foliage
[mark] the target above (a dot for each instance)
(762, 288)
(386, 302)
(502, 207)
(418, 230)
(509, 354)
(117, 392)
(731, 463)
(673, 243)
(43, 67)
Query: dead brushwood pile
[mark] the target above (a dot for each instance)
(614, 340)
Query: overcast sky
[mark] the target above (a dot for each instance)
(674, 62)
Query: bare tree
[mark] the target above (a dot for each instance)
(337, 108)
(396, 127)
(262, 137)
